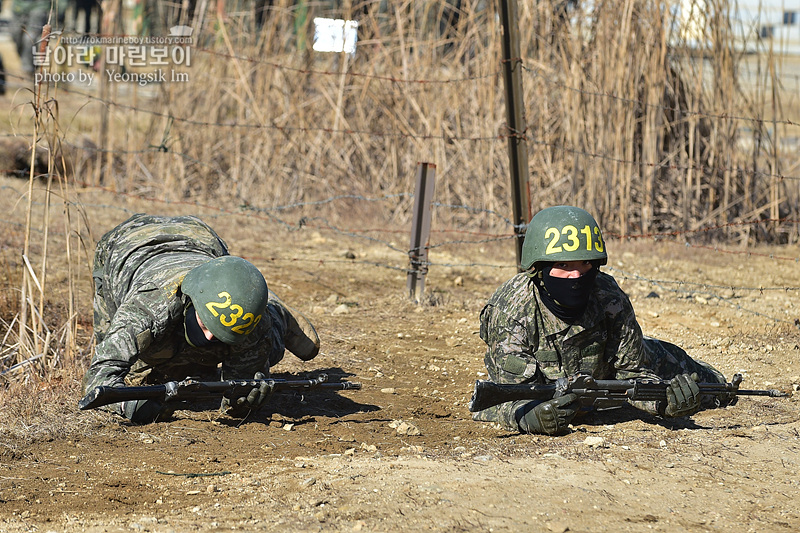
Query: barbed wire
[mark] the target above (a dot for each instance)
(487, 237)
(662, 165)
(701, 285)
(320, 261)
(271, 213)
(475, 210)
(152, 149)
(537, 72)
(743, 252)
(332, 199)
(708, 229)
(66, 88)
(446, 138)
(283, 129)
(321, 223)
(349, 72)
(729, 301)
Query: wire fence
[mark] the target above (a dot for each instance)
(452, 252)
(389, 238)
(16, 82)
(94, 158)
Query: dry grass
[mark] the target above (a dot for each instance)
(40, 410)
(39, 325)
(626, 117)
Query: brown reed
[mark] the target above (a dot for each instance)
(630, 114)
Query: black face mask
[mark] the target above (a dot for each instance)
(566, 297)
(194, 333)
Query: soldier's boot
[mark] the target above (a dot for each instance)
(300, 338)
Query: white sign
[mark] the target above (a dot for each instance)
(335, 35)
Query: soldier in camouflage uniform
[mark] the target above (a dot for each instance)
(562, 316)
(171, 303)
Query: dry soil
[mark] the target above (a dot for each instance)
(403, 454)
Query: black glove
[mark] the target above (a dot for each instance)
(549, 418)
(144, 411)
(240, 406)
(683, 397)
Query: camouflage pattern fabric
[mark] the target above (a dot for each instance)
(138, 309)
(526, 343)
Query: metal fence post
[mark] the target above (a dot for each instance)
(515, 116)
(420, 231)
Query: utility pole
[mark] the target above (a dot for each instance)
(515, 120)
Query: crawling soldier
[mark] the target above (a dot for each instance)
(170, 303)
(562, 316)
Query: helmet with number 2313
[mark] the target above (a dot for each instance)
(563, 233)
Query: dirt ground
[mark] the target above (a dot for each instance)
(403, 454)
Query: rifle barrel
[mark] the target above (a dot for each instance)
(772, 393)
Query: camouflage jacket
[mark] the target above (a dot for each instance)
(138, 270)
(526, 343)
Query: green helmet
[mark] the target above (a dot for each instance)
(229, 295)
(563, 233)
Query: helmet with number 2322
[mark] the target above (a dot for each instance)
(563, 233)
(230, 296)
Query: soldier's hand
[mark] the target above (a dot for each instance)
(549, 418)
(259, 395)
(146, 411)
(253, 399)
(683, 396)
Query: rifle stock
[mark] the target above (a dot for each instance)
(191, 389)
(599, 393)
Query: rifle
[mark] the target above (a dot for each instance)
(192, 389)
(599, 393)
